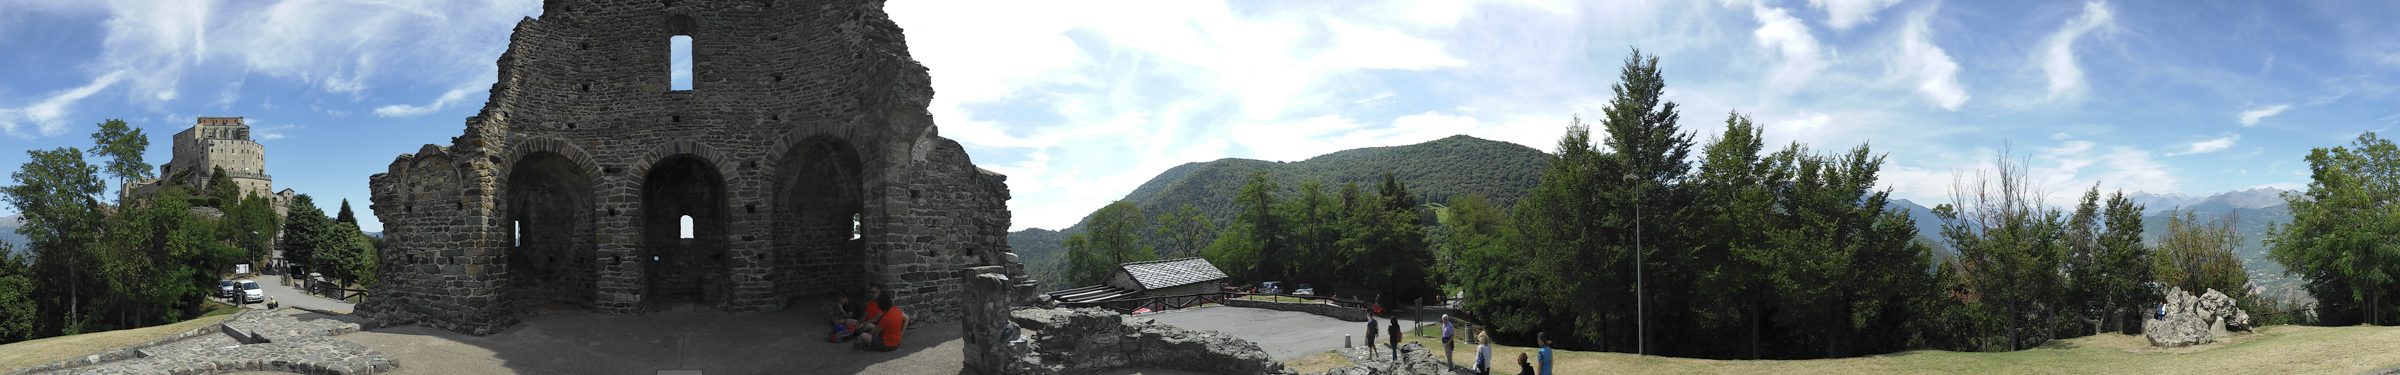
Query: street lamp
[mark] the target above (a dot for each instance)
(1640, 332)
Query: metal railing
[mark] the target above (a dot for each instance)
(1156, 303)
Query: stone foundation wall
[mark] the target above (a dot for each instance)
(1330, 311)
(802, 117)
(1001, 339)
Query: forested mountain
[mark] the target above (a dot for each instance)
(8, 230)
(1434, 171)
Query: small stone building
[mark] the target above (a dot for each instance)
(1156, 278)
(801, 160)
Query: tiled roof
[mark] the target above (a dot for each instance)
(1162, 274)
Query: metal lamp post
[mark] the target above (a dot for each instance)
(1641, 330)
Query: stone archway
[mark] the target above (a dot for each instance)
(678, 269)
(549, 254)
(819, 200)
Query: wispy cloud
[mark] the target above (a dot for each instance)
(2058, 51)
(49, 116)
(1800, 52)
(445, 101)
(2251, 117)
(2213, 145)
(1842, 14)
(1936, 74)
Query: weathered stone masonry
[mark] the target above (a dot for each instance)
(570, 185)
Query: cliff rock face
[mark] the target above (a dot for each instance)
(2194, 320)
(800, 161)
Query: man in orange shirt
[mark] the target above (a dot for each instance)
(883, 332)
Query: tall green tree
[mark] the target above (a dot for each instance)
(123, 145)
(2198, 256)
(2010, 243)
(1183, 229)
(222, 191)
(1115, 239)
(345, 216)
(2344, 238)
(16, 295)
(1254, 246)
(61, 219)
(305, 230)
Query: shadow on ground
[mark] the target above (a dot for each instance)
(684, 338)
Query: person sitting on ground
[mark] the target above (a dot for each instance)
(1524, 367)
(884, 334)
(843, 323)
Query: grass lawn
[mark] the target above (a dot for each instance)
(2274, 350)
(35, 352)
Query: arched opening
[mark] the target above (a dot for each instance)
(685, 269)
(551, 258)
(819, 199)
(686, 224)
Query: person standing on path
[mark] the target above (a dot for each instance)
(1395, 328)
(1447, 347)
(1544, 339)
(1370, 336)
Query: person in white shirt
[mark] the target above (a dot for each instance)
(1483, 353)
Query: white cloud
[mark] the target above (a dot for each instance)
(49, 115)
(1806, 121)
(2251, 117)
(1842, 14)
(445, 101)
(2059, 49)
(1932, 68)
(1384, 49)
(2213, 145)
(1801, 53)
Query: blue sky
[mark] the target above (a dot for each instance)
(1081, 101)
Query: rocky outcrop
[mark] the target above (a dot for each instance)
(1064, 341)
(2194, 320)
(1414, 359)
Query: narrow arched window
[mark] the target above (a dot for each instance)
(516, 233)
(687, 226)
(681, 61)
(855, 226)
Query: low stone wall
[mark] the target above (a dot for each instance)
(1004, 340)
(133, 351)
(1330, 311)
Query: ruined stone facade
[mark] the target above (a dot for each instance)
(803, 157)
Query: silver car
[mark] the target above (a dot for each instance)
(251, 292)
(227, 289)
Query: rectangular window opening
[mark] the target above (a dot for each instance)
(516, 233)
(681, 61)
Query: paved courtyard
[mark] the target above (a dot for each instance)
(1285, 335)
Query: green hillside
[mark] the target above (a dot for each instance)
(1434, 171)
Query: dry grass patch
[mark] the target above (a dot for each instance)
(2272, 350)
(35, 352)
(1319, 362)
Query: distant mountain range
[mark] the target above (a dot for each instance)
(1435, 171)
(1505, 172)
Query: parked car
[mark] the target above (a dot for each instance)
(1270, 287)
(251, 292)
(1305, 290)
(226, 288)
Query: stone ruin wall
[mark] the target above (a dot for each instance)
(802, 114)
